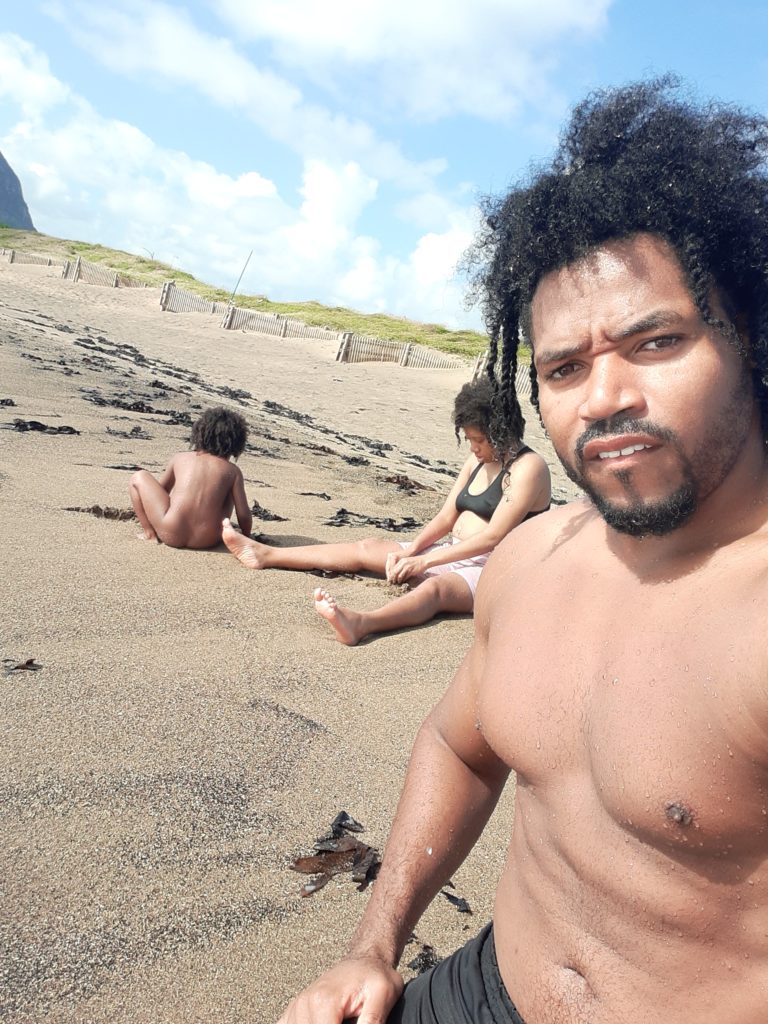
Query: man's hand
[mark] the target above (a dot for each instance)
(362, 988)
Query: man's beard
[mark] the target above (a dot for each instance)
(702, 473)
(639, 518)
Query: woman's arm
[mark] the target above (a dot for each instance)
(444, 521)
(526, 487)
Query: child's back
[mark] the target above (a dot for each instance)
(197, 489)
(202, 494)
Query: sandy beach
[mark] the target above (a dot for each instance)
(194, 725)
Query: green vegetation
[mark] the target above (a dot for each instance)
(463, 343)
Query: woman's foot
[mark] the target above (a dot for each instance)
(346, 624)
(247, 551)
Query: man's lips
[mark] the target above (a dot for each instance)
(623, 446)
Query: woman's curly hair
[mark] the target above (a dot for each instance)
(221, 432)
(473, 407)
(642, 158)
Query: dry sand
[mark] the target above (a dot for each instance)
(194, 724)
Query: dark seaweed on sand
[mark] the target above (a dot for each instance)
(259, 512)
(343, 517)
(175, 416)
(335, 852)
(30, 665)
(424, 960)
(134, 434)
(404, 483)
(333, 574)
(457, 901)
(42, 428)
(104, 512)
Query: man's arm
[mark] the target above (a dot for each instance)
(453, 783)
(244, 517)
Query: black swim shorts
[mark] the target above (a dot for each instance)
(466, 988)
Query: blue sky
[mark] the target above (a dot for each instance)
(344, 142)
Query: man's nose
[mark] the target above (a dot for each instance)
(612, 387)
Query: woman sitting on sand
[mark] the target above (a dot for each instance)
(494, 492)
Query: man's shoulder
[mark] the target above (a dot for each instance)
(571, 531)
(560, 523)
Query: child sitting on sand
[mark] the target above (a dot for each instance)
(184, 508)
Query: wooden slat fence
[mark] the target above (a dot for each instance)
(357, 348)
(362, 348)
(124, 281)
(95, 273)
(296, 329)
(522, 375)
(177, 300)
(14, 256)
(237, 319)
(353, 348)
(480, 364)
(76, 270)
(523, 382)
(422, 358)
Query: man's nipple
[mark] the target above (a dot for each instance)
(679, 814)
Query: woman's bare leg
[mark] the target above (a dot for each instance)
(446, 593)
(365, 555)
(150, 502)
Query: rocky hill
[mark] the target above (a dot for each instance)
(13, 210)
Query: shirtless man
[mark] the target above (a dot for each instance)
(619, 662)
(185, 506)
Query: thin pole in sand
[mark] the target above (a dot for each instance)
(240, 278)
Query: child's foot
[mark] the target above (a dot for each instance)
(145, 535)
(248, 551)
(343, 621)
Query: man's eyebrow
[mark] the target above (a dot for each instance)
(651, 322)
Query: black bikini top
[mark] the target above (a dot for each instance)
(486, 503)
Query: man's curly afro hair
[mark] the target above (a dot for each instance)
(221, 432)
(642, 158)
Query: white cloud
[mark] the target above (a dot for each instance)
(336, 197)
(431, 59)
(26, 79)
(150, 36)
(140, 37)
(99, 179)
(205, 185)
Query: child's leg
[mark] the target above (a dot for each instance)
(446, 593)
(368, 555)
(150, 502)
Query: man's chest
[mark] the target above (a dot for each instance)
(653, 701)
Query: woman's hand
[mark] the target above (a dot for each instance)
(392, 560)
(405, 567)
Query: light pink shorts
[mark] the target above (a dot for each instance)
(468, 568)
